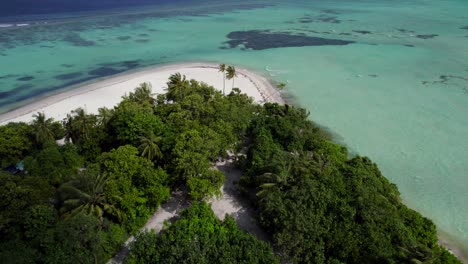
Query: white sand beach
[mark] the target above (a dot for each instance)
(108, 92)
(230, 202)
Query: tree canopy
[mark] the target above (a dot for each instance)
(323, 207)
(78, 202)
(199, 237)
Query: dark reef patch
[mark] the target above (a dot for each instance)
(77, 40)
(345, 34)
(364, 32)
(15, 91)
(328, 19)
(23, 87)
(122, 38)
(142, 40)
(261, 39)
(152, 30)
(68, 76)
(402, 30)
(465, 27)
(143, 35)
(409, 45)
(8, 76)
(447, 80)
(428, 36)
(47, 46)
(306, 19)
(15, 96)
(104, 71)
(67, 65)
(25, 78)
(55, 30)
(130, 64)
(300, 29)
(122, 65)
(331, 11)
(7, 94)
(373, 75)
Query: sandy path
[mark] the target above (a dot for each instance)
(166, 212)
(230, 202)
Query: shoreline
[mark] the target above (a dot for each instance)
(261, 88)
(452, 246)
(94, 94)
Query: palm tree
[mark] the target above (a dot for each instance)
(143, 94)
(42, 127)
(273, 181)
(231, 74)
(104, 116)
(176, 82)
(70, 134)
(149, 147)
(279, 87)
(222, 68)
(82, 122)
(85, 194)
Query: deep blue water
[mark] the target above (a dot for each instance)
(30, 7)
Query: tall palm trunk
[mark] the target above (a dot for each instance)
(224, 83)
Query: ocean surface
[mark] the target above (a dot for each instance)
(388, 78)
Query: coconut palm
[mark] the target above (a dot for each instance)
(42, 128)
(149, 147)
(271, 181)
(231, 74)
(78, 125)
(143, 94)
(70, 134)
(279, 87)
(175, 85)
(83, 123)
(85, 194)
(222, 68)
(104, 115)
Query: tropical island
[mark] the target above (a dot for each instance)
(190, 173)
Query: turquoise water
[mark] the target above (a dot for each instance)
(398, 94)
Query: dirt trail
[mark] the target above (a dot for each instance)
(230, 203)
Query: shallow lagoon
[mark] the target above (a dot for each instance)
(396, 92)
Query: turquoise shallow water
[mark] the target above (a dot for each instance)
(399, 94)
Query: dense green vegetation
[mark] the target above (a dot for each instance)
(322, 207)
(77, 202)
(199, 237)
